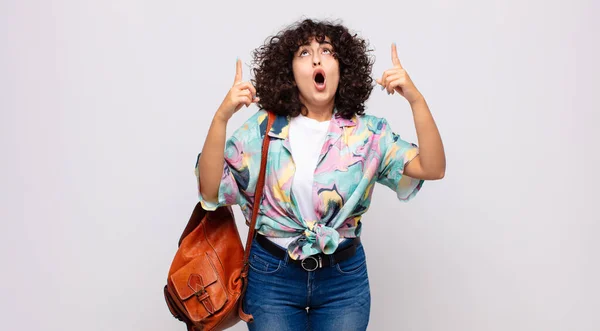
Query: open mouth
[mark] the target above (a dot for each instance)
(319, 78)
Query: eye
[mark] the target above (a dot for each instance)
(303, 52)
(327, 51)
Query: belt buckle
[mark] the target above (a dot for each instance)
(311, 263)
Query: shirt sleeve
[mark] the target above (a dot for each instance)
(395, 155)
(235, 177)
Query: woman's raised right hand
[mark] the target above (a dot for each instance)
(241, 93)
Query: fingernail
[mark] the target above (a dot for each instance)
(382, 87)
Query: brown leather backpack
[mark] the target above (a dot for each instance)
(209, 273)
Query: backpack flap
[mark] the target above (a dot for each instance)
(199, 288)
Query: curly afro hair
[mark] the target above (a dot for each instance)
(274, 78)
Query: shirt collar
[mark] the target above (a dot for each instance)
(281, 125)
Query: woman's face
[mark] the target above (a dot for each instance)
(316, 72)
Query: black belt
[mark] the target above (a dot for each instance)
(312, 262)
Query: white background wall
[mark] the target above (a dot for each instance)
(105, 104)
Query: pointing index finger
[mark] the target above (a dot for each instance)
(238, 71)
(395, 59)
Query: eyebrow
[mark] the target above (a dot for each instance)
(324, 42)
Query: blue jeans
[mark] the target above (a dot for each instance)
(284, 297)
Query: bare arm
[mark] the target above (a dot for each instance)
(431, 162)
(212, 159)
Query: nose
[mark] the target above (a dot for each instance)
(316, 59)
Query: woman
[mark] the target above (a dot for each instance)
(307, 265)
